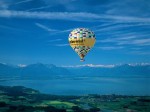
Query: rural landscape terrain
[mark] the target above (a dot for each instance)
(21, 99)
(17, 97)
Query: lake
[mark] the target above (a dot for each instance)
(85, 85)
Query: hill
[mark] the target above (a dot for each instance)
(50, 71)
(22, 99)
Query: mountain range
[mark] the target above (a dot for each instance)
(49, 71)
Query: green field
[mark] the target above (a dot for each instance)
(21, 99)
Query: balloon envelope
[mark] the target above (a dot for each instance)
(82, 40)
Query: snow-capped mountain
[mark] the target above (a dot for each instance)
(48, 71)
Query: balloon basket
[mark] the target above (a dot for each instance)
(82, 60)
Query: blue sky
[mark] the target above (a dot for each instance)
(33, 31)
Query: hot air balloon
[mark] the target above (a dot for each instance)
(82, 40)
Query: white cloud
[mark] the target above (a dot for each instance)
(57, 45)
(45, 27)
(139, 42)
(4, 5)
(6, 27)
(47, 15)
(91, 65)
(126, 37)
(61, 45)
(53, 31)
(11, 28)
(119, 26)
(140, 53)
(117, 39)
(62, 31)
(104, 66)
(24, 1)
(38, 8)
(56, 40)
(77, 16)
(136, 48)
(102, 25)
(3, 63)
(129, 7)
(127, 18)
(110, 47)
(142, 41)
(22, 65)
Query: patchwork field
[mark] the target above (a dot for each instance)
(21, 99)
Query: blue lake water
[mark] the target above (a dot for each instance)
(83, 86)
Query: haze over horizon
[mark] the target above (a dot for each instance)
(33, 31)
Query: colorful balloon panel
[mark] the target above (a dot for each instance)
(82, 40)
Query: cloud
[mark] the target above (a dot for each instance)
(110, 48)
(139, 8)
(121, 38)
(47, 15)
(103, 25)
(57, 45)
(22, 65)
(139, 64)
(38, 8)
(127, 39)
(136, 48)
(45, 27)
(11, 28)
(105, 66)
(7, 27)
(119, 26)
(140, 53)
(75, 16)
(61, 45)
(53, 31)
(138, 42)
(90, 65)
(129, 7)
(56, 40)
(61, 31)
(3, 63)
(142, 41)
(115, 40)
(114, 33)
(24, 1)
(126, 18)
(3, 5)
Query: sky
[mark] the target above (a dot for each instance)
(36, 31)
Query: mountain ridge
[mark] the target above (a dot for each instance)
(50, 71)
